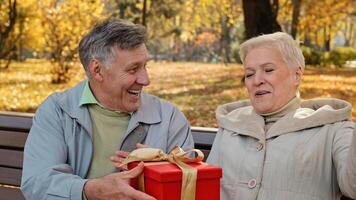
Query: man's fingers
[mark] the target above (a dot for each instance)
(139, 145)
(135, 194)
(116, 159)
(134, 172)
(122, 154)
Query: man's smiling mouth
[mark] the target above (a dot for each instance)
(134, 92)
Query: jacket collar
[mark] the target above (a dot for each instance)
(148, 112)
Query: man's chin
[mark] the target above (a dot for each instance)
(132, 107)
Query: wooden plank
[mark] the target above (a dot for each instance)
(8, 193)
(15, 121)
(12, 139)
(9, 176)
(11, 158)
(203, 137)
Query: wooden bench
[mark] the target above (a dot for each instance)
(14, 128)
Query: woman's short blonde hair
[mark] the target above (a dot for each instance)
(287, 46)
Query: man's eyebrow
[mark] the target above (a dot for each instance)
(134, 64)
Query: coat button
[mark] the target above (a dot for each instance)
(259, 146)
(252, 183)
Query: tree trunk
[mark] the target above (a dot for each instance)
(122, 7)
(275, 7)
(295, 17)
(6, 53)
(225, 40)
(144, 12)
(259, 17)
(327, 38)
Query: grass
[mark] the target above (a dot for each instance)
(196, 88)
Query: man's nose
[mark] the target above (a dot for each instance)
(143, 78)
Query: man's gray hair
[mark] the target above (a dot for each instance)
(105, 38)
(283, 42)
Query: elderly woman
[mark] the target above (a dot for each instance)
(277, 146)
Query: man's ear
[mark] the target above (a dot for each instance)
(95, 70)
(298, 75)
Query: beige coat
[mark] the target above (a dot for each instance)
(309, 154)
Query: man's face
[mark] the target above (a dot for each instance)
(124, 80)
(271, 84)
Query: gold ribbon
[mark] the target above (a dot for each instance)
(178, 157)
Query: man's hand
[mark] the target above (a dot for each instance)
(121, 155)
(115, 186)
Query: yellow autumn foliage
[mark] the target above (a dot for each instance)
(196, 88)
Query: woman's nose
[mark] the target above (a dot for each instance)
(259, 78)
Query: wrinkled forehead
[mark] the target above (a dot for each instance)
(138, 55)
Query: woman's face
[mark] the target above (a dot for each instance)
(271, 84)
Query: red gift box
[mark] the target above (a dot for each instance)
(164, 181)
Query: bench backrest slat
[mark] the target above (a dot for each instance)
(9, 176)
(15, 121)
(7, 193)
(12, 139)
(11, 158)
(202, 138)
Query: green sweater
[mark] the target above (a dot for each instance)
(109, 128)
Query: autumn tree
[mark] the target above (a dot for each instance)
(203, 18)
(127, 9)
(350, 26)
(260, 16)
(19, 32)
(64, 23)
(295, 17)
(321, 20)
(8, 16)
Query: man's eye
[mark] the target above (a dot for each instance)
(269, 70)
(133, 70)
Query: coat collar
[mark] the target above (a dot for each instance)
(240, 117)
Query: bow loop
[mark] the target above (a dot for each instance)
(153, 154)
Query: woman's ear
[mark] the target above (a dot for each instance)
(95, 69)
(298, 75)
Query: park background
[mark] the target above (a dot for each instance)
(194, 46)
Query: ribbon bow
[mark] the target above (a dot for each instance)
(178, 157)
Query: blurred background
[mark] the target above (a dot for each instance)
(194, 46)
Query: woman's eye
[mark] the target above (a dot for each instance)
(248, 75)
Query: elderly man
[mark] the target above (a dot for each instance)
(79, 135)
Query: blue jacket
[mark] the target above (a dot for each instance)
(59, 147)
